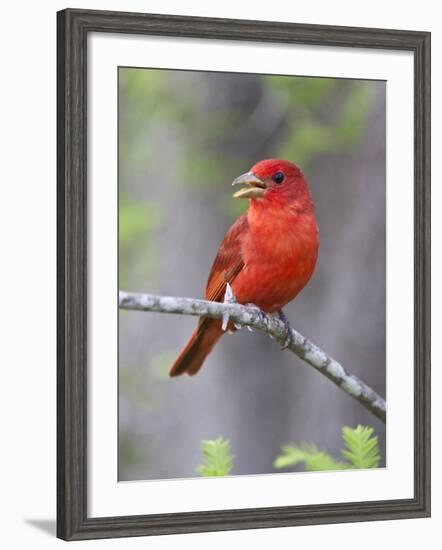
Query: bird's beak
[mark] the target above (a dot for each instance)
(254, 187)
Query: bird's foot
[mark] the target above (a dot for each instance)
(258, 310)
(229, 298)
(288, 330)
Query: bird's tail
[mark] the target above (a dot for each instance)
(201, 343)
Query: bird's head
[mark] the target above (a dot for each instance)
(274, 181)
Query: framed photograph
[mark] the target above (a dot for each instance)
(226, 354)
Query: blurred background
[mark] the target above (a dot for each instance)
(183, 137)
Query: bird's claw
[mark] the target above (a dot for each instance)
(259, 311)
(287, 341)
(288, 330)
(229, 298)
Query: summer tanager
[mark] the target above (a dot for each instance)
(267, 256)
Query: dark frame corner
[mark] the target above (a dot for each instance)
(73, 27)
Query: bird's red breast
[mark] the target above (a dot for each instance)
(267, 256)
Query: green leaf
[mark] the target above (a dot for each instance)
(307, 453)
(362, 449)
(217, 458)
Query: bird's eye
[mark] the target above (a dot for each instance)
(278, 177)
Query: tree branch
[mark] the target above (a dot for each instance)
(255, 318)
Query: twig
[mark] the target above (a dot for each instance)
(255, 318)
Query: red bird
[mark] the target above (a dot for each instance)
(267, 256)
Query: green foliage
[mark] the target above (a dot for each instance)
(218, 458)
(307, 453)
(361, 451)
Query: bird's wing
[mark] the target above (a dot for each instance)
(228, 262)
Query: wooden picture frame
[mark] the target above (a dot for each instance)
(73, 27)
